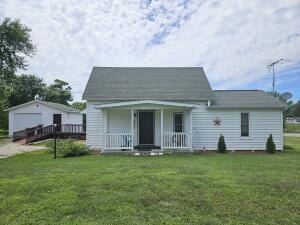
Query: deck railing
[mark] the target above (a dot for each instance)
(71, 128)
(41, 133)
(175, 140)
(17, 135)
(118, 141)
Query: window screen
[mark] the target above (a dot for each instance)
(244, 124)
(178, 122)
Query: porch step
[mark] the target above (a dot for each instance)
(146, 147)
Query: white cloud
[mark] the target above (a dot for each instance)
(232, 40)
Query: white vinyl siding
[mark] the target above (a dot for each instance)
(262, 123)
(119, 121)
(94, 126)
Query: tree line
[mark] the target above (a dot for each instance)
(15, 89)
(292, 108)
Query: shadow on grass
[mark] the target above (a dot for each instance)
(288, 147)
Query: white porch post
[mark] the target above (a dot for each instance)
(162, 129)
(191, 130)
(104, 119)
(132, 128)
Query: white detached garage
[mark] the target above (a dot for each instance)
(39, 112)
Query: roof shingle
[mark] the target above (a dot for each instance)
(156, 83)
(245, 99)
(58, 106)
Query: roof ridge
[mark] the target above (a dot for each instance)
(241, 90)
(49, 104)
(60, 104)
(152, 67)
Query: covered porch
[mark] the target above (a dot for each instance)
(147, 125)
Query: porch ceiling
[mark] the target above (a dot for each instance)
(141, 102)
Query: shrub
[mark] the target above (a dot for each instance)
(69, 148)
(270, 146)
(221, 144)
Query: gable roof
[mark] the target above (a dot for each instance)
(155, 83)
(58, 106)
(245, 99)
(139, 102)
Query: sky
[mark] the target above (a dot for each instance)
(232, 40)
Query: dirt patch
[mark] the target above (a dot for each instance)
(10, 149)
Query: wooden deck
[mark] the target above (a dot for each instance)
(76, 131)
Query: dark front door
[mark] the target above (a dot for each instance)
(57, 121)
(146, 128)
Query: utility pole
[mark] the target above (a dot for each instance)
(272, 66)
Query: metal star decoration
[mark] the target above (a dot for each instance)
(217, 121)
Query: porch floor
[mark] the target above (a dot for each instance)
(146, 152)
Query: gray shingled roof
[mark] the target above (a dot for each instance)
(137, 83)
(62, 107)
(50, 104)
(245, 99)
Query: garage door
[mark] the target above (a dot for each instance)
(25, 120)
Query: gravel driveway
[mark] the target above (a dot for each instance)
(10, 149)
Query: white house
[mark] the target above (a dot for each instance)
(175, 108)
(39, 112)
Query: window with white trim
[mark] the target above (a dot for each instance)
(245, 124)
(178, 122)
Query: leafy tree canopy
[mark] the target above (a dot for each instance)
(296, 109)
(281, 96)
(79, 105)
(25, 88)
(59, 92)
(15, 45)
(293, 109)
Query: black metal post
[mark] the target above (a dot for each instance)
(54, 134)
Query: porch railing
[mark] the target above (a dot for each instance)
(176, 140)
(118, 141)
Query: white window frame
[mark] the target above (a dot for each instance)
(249, 125)
(183, 118)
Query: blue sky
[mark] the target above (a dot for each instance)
(233, 40)
(287, 80)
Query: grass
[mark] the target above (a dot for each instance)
(3, 133)
(3, 136)
(172, 189)
(292, 128)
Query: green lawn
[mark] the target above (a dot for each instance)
(292, 128)
(172, 189)
(3, 136)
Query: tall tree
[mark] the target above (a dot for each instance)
(59, 92)
(15, 45)
(286, 98)
(79, 105)
(297, 109)
(25, 88)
